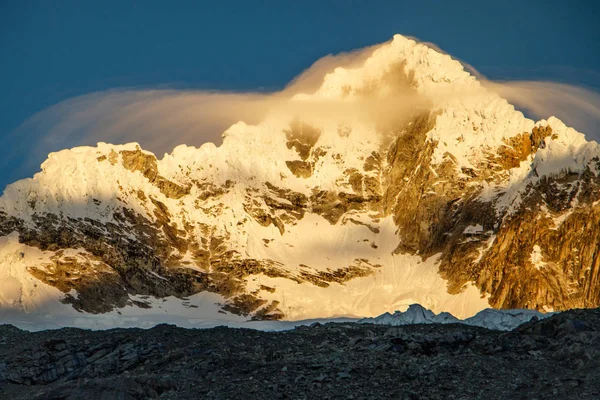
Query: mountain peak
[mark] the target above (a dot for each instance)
(426, 69)
(401, 180)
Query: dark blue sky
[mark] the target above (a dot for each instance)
(51, 51)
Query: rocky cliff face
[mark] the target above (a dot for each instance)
(436, 192)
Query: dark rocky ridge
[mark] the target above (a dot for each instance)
(558, 357)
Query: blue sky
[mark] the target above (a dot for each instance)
(52, 51)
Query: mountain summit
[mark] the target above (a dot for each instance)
(400, 180)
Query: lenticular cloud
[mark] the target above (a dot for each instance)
(161, 119)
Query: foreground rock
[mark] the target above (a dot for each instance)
(554, 358)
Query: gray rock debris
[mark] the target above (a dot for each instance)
(558, 357)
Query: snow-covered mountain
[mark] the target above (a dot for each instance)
(400, 180)
(503, 320)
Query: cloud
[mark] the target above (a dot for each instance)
(576, 106)
(311, 79)
(161, 119)
(157, 119)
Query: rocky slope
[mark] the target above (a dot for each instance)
(400, 180)
(556, 358)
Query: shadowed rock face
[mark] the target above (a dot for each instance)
(114, 266)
